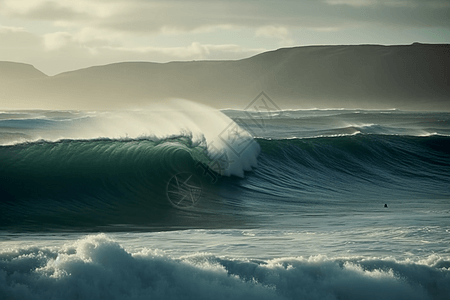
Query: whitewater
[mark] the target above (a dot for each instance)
(181, 201)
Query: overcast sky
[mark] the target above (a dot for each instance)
(62, 35)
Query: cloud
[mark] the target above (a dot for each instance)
(53, 10)
(356, 3)
(278, 32)
(138, 16)
(13, 38)
(57, 40)
(391, 3)
(193, 51)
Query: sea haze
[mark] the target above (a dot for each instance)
(286, 204)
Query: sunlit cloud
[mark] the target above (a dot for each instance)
(278, 32)
(351, 2)
(5, 29)
(391, 3)
(187, 16)
(59, 10)
(56, 40)
(17, 37)
(326, 29)
(192, 51)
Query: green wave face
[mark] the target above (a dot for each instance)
(101, 182)
(92, 179)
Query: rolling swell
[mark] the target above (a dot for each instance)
(91, 182)
(361, 165)
(103, 182)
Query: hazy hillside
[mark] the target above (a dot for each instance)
(369, 76)
(11, 71)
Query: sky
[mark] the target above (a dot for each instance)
(62, 35)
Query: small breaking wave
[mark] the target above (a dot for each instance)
(97, 266)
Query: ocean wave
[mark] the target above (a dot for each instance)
(70, 168)
(408, 164)
(105, 181)
(97, 267)
(126, 181)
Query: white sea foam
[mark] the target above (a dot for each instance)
(97, 267)
(231, 149)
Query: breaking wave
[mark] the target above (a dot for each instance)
(97, 267)
(106, 181)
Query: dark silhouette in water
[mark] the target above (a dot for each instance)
(385, 205)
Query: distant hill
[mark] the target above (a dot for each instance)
(413, 76)
(11, 71)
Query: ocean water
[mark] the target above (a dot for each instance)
(181, 201)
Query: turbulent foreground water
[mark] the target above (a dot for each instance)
(192, 203)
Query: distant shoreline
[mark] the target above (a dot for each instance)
(407, 77)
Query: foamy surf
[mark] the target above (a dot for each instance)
(98, 267)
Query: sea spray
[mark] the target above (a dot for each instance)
(230, 148)
(97, 266)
